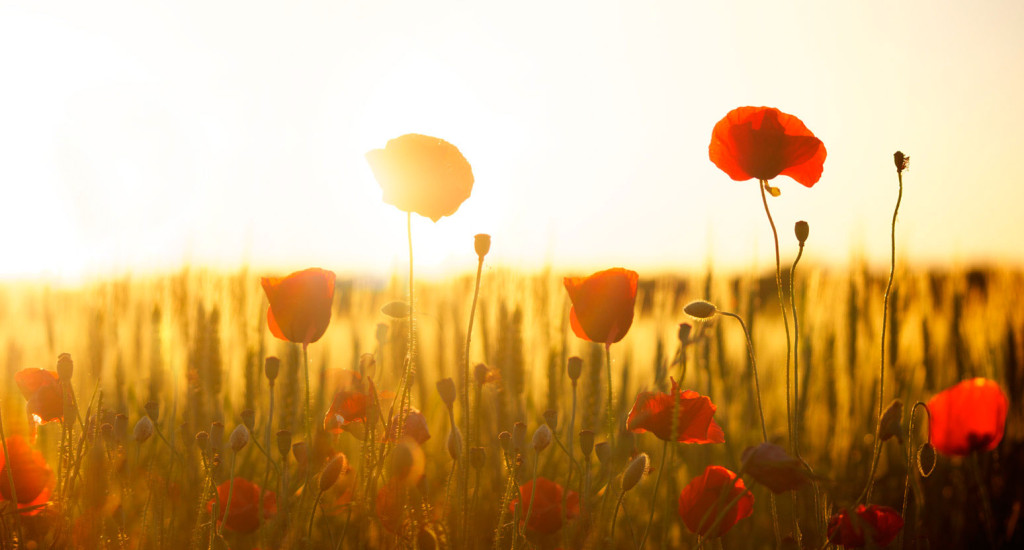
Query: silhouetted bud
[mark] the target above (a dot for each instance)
(482, 244)
(284, 442)
(396, 310)
(248, 418)
(541, 438)
(332, 471)
(890, 424)
(603, 450)
(271, 366)
(407, 461)
(519, 436)
(153, 410)
(477, 457)
(505, 439)
(684, 333)
(455, 443)
(634, 471)
(902, 161)
(239, 438)
(700, 309)
(446, 389)
(772, 467)
(480, 374)
(217, 435)
(801, 229)
(926, 459)
(300, 451)
(203, 441)
(586, 442)
(551, 418)
(575, 368)
(143, 429)
(65, 367)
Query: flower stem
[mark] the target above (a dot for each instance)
(533, 493)
(753, 366)
(231, 490)
(782, 305)
(796, 354)
(611, 411)
(654, 495)
(466, 404)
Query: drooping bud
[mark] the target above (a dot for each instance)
(802, 230)
(477, 457)
(902, 161)
(248, 418)
(333, 469)
(271, 366)
(684, 333)
(65, 367)
(446, 389)
(603, 450)
(482, 244)
(239, 438)
(455, 443)
(284, 442)
(586, 442)
(575, 368)
(203, 441)
(153, 410)
(926, 459)
(396, 310)
(541, 438)
(772, 467)
(407, 461)
(551, 418)
(634, 471)
(700, 309)
(143, 429)
(890, 424)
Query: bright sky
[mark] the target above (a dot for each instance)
(136, 136)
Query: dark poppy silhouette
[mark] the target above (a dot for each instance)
(762, 143)
(351, 402)
(42, 392)
(771, 466)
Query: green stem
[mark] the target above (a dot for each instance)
(466, 404)
(270, 461)
(796, 353)
(611, 421)
(654, 495)
(782, 305)
(533, 493)
(312, 514)
(615, 515)
(753, 366)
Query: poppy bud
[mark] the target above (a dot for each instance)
(902, 161)
(926, 459)
(300, 450)
(396, 310)
(477, 457)
(248, 418)
(203, 441)
(700, 309)
(603, 450)
(455, 443)
(65, 366)
(586, 442)
(382, 333)
(541, 438)
(446, 388)
(153, 410)
(505, 439)
(482, 244)
(890, 423)
(333, 469)
(271, 366)
(120, 427)
(480, 372)
(772, 467)
(684, 333)
(551, 418)
(634, 471)
(802, 230)
(239, 438)
(143, 429)
(284, 442)
(217, 435)
(575, 368)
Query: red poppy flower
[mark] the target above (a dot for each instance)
(422, 174)
(969, 416)
(415, 427)
(602, 304)
(652, 412)
(764, 142)
(546, 513)
(42, 391)
(702, 500)
(881, 523)
(33, 479)
(391, 499)
(771, 466)
(244, 516)
(300, 304)
(353, 398)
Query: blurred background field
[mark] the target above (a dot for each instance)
(195, 343)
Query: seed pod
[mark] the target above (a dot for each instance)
(455, 443)
(902, 161)
(396, 309)
(477, 457)
(700, 309)
(203, 441)
(482, 244)
(802, 230)
(284, 442)
(143, 429)
(333, 469)
(603, 450)
(239, 438)
(153, 410)
(926, 459)
(108, 433)
(65, 367)
(271, 366)
(505, 439)
(575, 368)
(446, 389)
(586, 442)
(551, 418)
(684, 333)
(541, 438)
(248, 418)
(634, 471)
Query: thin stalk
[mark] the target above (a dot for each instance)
(231, 490)
(611, 411)
(654, 495)
(533, 492)
(986, 506)
(572, 461)
(753, 366)
(796, 354)
(312, 514)
(466, 403)
(910, 462)
(782, 305)
(270, 461)
(615, 515)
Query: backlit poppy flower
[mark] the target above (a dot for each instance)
(42, 391)
(546, 513)
(969, 416)
(415, 427)
(652, 412)
(764, 142)
(33, 479)
(879, 523)
(351, 401)
(422, 174)
(602, 304)
(771, 466)
(244, 515)
(300, 304)
(702, 500)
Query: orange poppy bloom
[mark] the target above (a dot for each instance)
(350, 403)
(300, 304)
(652, 412)
(764, 142)
(881, 523)
(33, 479)
(244, 516)
(602, 304)
(42, 391)
(771, 466)
(422, 174)
(546, 513)
(702, 500)
(969, 416)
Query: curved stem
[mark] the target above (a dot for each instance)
(753, 366)
(231, 490)
(654, 497)
(782, 305)
(910, 462)
(312, 514)
(796, 353)
(615, 516)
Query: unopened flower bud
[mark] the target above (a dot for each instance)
(575, 368)
(518, 436)
(300, 450)
(65, 367)
(586, 442)
(271, 366)
(926, 459)
(248, 418)
(333, 469)
(700, 309)
(902, 161)
(446, 389)
(396, 310)
(634, 471)
(802, 229)
(684, 333)
(284, 442)
(541, 438)
(239, 438)
(505, 439)
(455, 443)
(153, 410)
(890, 424)
(480, 372)
(551, 418)
(203, 441)
(603, 450)
(477, 457)
(482, 244)
(143, 429)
